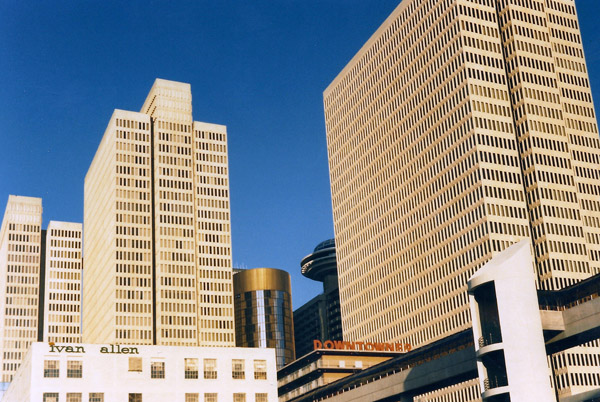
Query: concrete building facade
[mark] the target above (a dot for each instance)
(263, 311)
(20, 250)
(156, 211)
(62, 282)
(104, 373)
(460, 128)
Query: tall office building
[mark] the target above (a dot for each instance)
(157, 244)
(319, 318)
(62, 288)
(459, 128)
(263, 312)
(20, 241)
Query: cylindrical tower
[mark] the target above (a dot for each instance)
(263, 311)
(320, 317)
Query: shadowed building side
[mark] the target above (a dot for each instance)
(320, 317)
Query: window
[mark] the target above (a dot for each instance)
(50, 396)
(260, 369)
(157, 370)
(135, 397)
(96, 397)
(239, 397)
(135, 364)
(191, 397)
(210, 368)
(74, 369)
(261, 397)
(237, 369)
(51, 369)
(74, 397)
(191, 368)
(210, 397)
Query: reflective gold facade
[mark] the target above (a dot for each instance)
(263, 311)
(20, 249)
(62, 288)
(157, 213)
(458, 129)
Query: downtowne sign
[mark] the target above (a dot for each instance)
(345, 345)
(117, 349)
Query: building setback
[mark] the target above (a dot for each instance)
(62, 289)
(20, 243)
(156, 228)
(460, 128)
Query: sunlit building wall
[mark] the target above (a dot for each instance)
(62, 288)
(156, 212)
(459, 128)
(20, 243)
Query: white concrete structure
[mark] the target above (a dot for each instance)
(106, 373)
(511, 357)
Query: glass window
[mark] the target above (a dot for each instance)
(74, 369)
(237, 369)
(50, 396)
(135, 364)
(51, 369)
(135, 397)
(260, 369)
(157, 370)
(239, 397)
(96, 397)
(210, 397)
(74, 397)
(261, 397)
(191, 397)
(210, 368)
(191, 368)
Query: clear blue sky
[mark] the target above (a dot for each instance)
(259, 67)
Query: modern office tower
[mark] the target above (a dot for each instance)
(157, 242)
(20, 239)
(62, 289)
(320, 317)
(263, 311)
(459, 128)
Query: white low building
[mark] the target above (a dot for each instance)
(131, 373)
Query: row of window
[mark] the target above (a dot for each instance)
(157, 368)
(137, 397)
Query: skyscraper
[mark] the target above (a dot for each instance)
(20, 242)
(459, 128)
(62, 288)
(157, 241)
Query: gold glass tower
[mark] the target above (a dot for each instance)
(459, 128)
(62, 289)
(263, 312)
(20, 243)
(157, 241)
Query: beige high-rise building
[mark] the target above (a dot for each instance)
(459, 128)
(62, 288)
(157, 240)
(20, 243)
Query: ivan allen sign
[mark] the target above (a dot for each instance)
(345, 345)
(118, 349)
